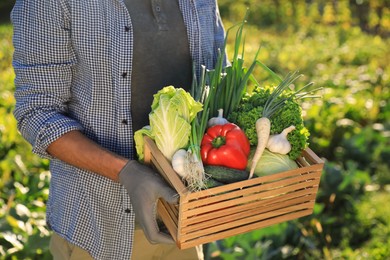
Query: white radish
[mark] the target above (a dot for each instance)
(263, 124)
(263, 128)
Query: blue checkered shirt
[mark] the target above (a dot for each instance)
(69, 61)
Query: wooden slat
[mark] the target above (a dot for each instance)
(222, 206)
(164, 167)
(311, 156)
(168, 220)
(222, 226)
(251, 211)
(302, 162)
(171, 210)
(252, 182)
(186, 243)
(246, 221)
(174, 183)
(244, 199)
(275, 186)
(290, 198)
(147, 152)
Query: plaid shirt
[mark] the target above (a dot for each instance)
(71, 60)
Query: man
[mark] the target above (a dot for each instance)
(85, 75)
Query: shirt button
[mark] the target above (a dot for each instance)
(124, 121)
(127, 28)
(127, 210)
(124, 74)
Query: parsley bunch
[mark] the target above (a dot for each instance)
(251, 108)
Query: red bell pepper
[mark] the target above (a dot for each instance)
(225, 145)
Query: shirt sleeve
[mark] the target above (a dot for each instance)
(43, 61)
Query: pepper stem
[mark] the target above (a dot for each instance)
(218, 141)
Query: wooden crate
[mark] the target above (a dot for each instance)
(216, 213)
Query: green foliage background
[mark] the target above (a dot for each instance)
(342, 46)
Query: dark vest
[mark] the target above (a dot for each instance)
(161, 54)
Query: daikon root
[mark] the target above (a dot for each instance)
(263, 128)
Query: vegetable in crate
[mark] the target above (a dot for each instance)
(225, 145)
(279, 143)
(173, 110)
(271, 163)
(225, 175)
(263, 124)
(251, 107)
(217, 120)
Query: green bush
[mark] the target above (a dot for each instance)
(24, 178)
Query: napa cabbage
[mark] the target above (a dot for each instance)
(271, 163)
(172, 112)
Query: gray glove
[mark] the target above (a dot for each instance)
(145, 187)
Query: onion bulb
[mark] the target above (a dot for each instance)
(218, 120)
(179, 162)
(278, 143)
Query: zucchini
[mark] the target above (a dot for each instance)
(226, 175)
(211, 183)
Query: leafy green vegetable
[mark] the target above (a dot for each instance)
(139, 140)
(271, 163)
(229, 84)
(173, 109)
(251, 108)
